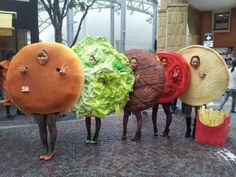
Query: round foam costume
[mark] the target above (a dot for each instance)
(45, 78)
(148, 88)
(210, 80)
(108, 81)
(177, 74)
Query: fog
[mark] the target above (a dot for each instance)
(138, 30)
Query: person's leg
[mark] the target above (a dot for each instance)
(188, 111)
(98, 127)
(195, 120)
(154, 118)
(125, 122)
(224, 99)
(174, 105)
(51, 123)
(183, 107)
(41, 120)
(166, 108)
(233, 95)
(19, 112)
(8, 111)
(1, 93)
(139, 126)
(88, 128)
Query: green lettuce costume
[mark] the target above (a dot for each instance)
(107, 83)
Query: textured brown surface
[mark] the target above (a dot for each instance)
(49, 92)
(148, 90)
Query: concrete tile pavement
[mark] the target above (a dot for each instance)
(151, 157)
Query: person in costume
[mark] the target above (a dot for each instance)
(231, 91)
(127, 111)
(108, 81)
(5, 65)
(209, 80)
(194, 63)
(167, 110)
(147, 89)
(46, 122)
(165, 106)
(33, 79)
(98, 121)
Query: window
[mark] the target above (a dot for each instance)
(23, 38)
(221, 21)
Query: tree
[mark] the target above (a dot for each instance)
(58, 9)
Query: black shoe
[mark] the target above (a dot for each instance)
(187, 134)
(165, 133)
(233, 111)
(124, 137)
(137, 136)
(155, 132)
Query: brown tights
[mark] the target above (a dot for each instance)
(44, 122)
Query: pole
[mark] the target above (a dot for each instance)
(154, 26)
(70, 26)
(123, 26)
(112, 14)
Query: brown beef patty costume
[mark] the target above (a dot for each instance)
(148, 86)
(45, 79)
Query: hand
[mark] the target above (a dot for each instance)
(202, 76)
(137, 78)
(62, 70)
(23, 69)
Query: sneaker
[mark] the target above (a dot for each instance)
(87, 141)
(93, 142)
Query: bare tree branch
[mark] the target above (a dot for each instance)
(81, 21)
(64, 9)
(58, 9)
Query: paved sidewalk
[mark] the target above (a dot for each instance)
(175, 156)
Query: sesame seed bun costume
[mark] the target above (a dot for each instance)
(210, 80)
(177, 74)
(45, 85)
(148, 88)
(108, 81)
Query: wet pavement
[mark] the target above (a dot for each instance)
(153, 156)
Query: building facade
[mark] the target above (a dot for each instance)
(181, 24)
(18, 24)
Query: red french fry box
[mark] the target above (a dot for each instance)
(212, 135)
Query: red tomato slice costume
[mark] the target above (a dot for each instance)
(177, 74)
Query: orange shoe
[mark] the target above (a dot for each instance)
(41, 157)
(49, 157)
